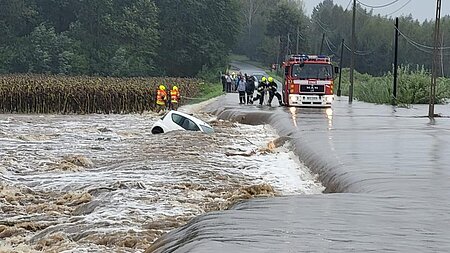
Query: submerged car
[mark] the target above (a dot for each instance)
(174, 120)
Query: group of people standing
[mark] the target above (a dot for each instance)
(164, 101)
(246, 85)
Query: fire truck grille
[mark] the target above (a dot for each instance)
(313, 88)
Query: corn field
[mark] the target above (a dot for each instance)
(85, 95)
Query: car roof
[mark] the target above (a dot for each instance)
(196, 120)
(259, 74)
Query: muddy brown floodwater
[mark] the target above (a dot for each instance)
(103, 183)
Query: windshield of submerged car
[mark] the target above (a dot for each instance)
(165, 114)
(207, 129)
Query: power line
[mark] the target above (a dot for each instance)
(418, 44)
(403, 6)
(348, 5)
(421, 47)
(357, 52)
(321, 24)
(327, 41)
(378, 6)
(332, 44)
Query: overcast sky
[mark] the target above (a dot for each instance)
(420, 9)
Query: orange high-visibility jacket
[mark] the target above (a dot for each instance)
(161, 97)
(174, 96)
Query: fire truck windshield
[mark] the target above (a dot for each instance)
(312, 71)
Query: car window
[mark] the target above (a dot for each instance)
(178, 119)
(207, 129)
(190, 125)
(184, 122)
(258, 77)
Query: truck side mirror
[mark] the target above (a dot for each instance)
(336, 70)
(286, 71)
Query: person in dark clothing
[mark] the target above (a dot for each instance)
(250, 89)
(224, 82)
(272, 86)
(261, 90)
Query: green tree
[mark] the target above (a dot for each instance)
(196, 34)
(286, 21)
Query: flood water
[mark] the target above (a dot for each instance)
(103, 183)
(386, 169)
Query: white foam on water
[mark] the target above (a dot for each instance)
(280, 168)
(137, 177)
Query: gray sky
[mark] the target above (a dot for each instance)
(420, 9)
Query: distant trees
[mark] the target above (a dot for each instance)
(285, 22)
(196, 34)
(188, 37)
(267, 24)
(375, 35)
(116, 38)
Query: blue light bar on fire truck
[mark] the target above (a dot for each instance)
(304, 57)
(301, 57)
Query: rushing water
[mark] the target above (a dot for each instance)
(103, 183)
(387, 169)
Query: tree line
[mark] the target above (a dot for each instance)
(273, 29)
(192, 37)
(115, 37)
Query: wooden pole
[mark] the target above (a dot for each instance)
(435, 59)
(394, 93)
(352, 61)
(340, 68)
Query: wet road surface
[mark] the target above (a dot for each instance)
(388, 170)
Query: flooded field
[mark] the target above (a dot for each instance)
(103, 183)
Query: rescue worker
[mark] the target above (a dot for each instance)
(272, 87)
(250, 89)
(261, 90)
(174, 98)
(161, 98)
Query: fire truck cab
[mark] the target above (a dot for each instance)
(308, 81)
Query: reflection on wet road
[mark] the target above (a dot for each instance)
(103, 183)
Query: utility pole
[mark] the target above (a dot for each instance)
(340, 68)
(278, 52)
(437, 38)
(394, 94)
(352, 61)
(321, 45)
(298, 35)
(288, 44)
(442, 54)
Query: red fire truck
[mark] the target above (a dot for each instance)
(308, 81)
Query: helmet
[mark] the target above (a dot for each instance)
(175, 88)
(263, 79)
(162, 87)
(270, 79)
